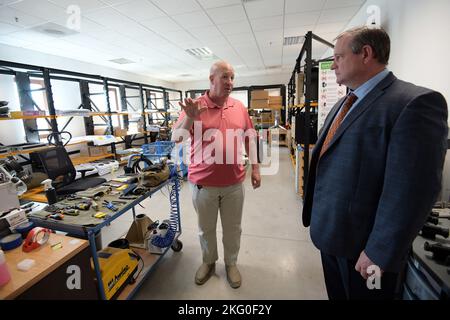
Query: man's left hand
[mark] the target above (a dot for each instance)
(256, 178)
(363, 263)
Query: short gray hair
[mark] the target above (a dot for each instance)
(376, 38)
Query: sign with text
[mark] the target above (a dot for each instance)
(329, 91)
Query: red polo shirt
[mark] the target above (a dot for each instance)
(217, 143)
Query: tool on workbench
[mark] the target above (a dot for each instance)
(55, 216)
(109, 205)
(99, 215)
(70, 212)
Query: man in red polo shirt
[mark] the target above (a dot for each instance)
(218, 126)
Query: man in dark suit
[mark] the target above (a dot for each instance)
(375, 170)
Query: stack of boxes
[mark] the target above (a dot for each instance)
(260, 99)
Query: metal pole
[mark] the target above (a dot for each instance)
(108, 107)
(144, 125)
(51, 106)
(308, 95)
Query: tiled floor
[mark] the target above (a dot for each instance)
(277, 259)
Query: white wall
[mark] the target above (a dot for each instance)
(11, 131)
(419, 32)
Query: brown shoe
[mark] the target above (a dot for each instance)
(204, 273)
(233, 276)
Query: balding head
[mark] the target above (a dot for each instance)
(219, 66)
(221, 78)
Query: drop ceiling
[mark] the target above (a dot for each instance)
(153, 35)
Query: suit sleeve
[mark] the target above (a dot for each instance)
(412, 180)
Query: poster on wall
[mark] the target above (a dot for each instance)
(329, 91)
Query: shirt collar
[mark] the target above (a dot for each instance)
(211, 104)
(367, 86)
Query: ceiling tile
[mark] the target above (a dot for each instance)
(235, 27)
(173, 7)
(6, 28)
(179, 36)
(267, 23)
(206, 34)
(115, 2)
(84, 5)
(7, 2)
(299, 31)
(227, 14)
(331, 4)
(219, 46)
(140, 10)
(41, 9)
(264, 8)
(329, 28)
(9, 15)
(271, 50)
(301, 19)
(338, 14)
(270, 37)
(207, 4)
(162, 25)
(193, 20)
(108, 17)
(247, 51)
(294, 6)
(241, 38)
(134, 30)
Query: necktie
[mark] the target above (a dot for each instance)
(337, 122)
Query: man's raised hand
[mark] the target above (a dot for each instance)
(192, 108)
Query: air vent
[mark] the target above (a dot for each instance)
(273, 67)
(121, 61)
(292, 41)
(185, 75)
(54, 30)
(203, 53)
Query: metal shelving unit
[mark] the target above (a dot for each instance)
(23, 73)
(305, 64)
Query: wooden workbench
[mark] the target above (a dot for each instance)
(46, 259)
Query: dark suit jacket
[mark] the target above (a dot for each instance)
(380, 177)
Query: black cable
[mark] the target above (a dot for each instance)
(54, 134)
(135, 167)
(137, 256)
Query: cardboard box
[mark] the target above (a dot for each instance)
(259, 94)
(277, 100)
(266, 116)
(97, 151)
(275, 106)
(259, 104)
(119, 132)
(99, 131)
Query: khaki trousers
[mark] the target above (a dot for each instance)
(208, 201)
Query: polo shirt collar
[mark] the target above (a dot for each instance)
(211, 104)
